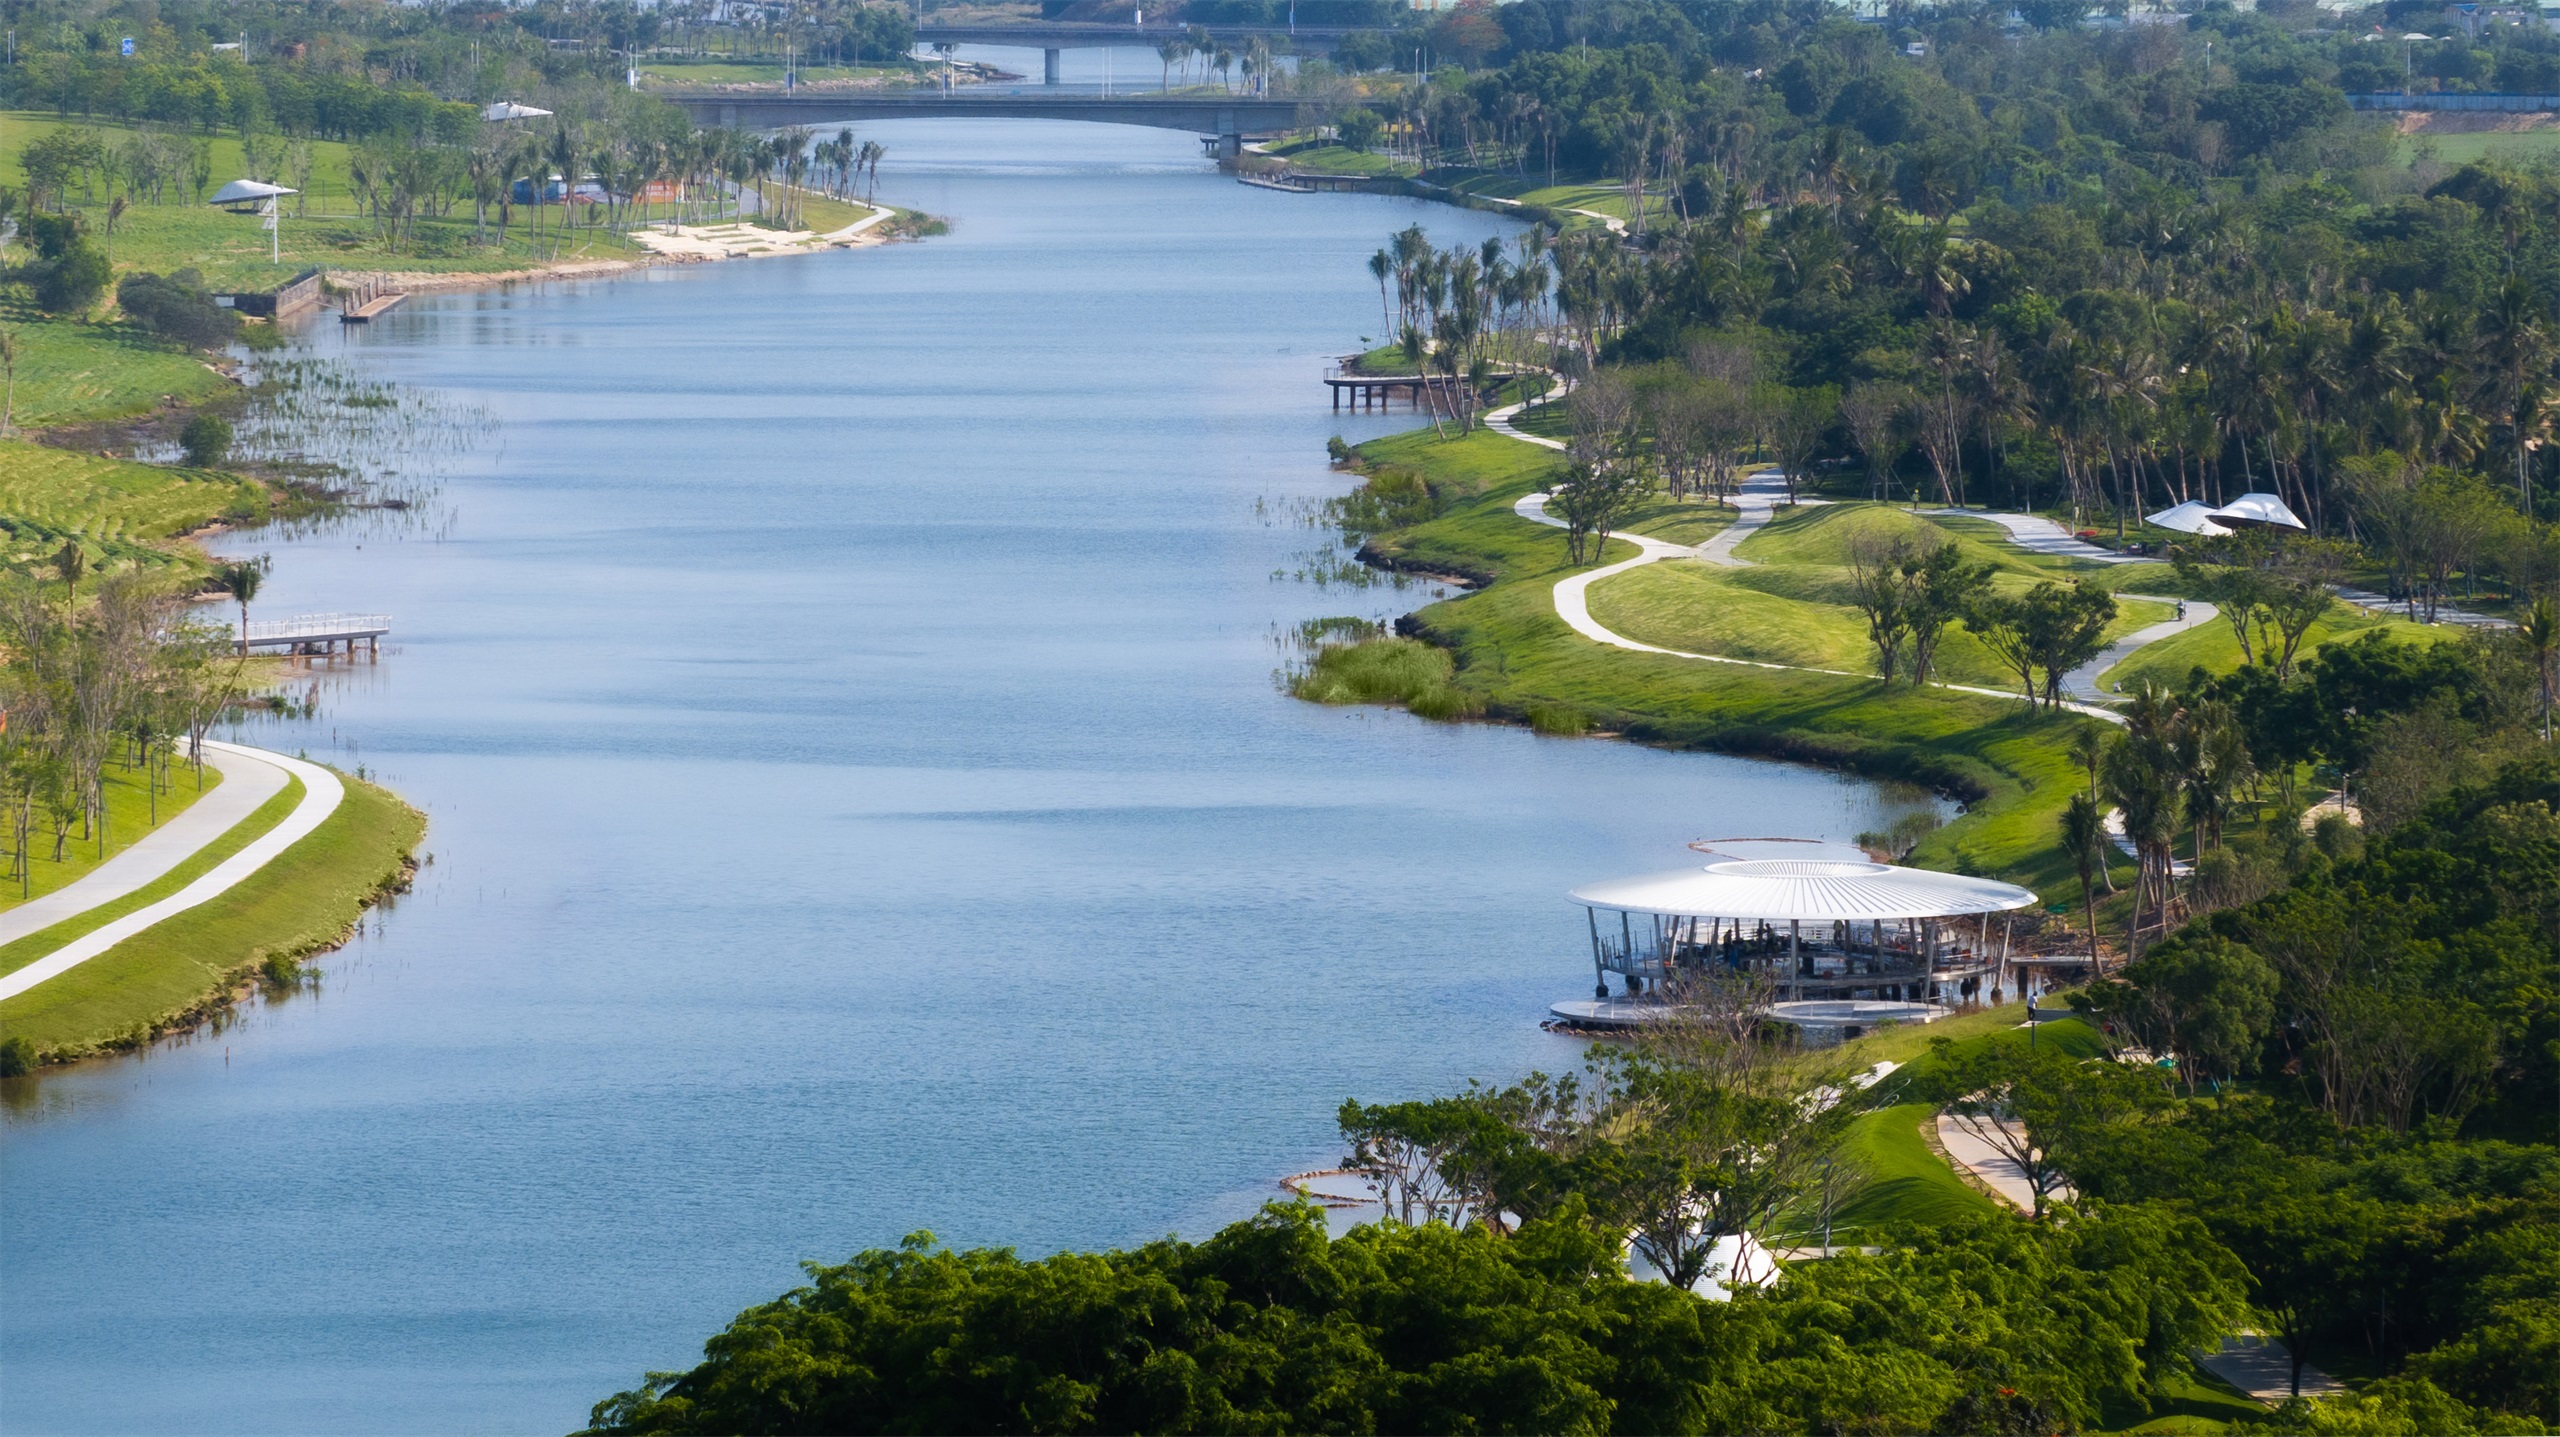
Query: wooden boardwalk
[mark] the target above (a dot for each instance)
(1374, 391)
(372, 298)
(316, 633)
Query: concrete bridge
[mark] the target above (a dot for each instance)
(1227, 120)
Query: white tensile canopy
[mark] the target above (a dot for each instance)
(2197, 517)
(510, 110)
(241, 192)
(2193, 517)
(2259, 509)
(1797, 890)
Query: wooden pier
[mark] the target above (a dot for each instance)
(1375, 391)
(368, 300)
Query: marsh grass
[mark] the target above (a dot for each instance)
(1384, 670)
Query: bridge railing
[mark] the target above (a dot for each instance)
(312, 626)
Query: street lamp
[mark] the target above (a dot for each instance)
(2409, 58)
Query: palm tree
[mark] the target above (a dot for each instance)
(2142, 776)
(9, 364)
(70, 564)
(1381, 265)
(2515, 348)
(2084, 837)
(564, 153)
(241, 577)
(2539, 631)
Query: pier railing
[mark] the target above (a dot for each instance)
(315, 627)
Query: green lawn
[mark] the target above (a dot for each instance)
(24, 951)
(130, 815)
(72, 371)
(1342, 160)
(2512, 146)
(2188, 1405)
(117, 508)
(1788, 614)
(1679, 521)
(1514, 653)
(322, 227)
(1906, 1181)
(302, 902)
(2213, 646)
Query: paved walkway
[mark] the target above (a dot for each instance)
(2082, 683)
(321, 795)
(246, 786)
(1995, 1169)
(2374, 603)
(2263, 1368)
(2039, 535)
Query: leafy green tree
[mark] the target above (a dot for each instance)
(72, 281)
(207, 440)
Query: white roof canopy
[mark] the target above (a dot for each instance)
(2259, 509)
(242, 191)
(1796, 890)
(510, 110)
(2197, 517)
(2193, 517)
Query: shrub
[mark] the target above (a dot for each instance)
(1359, 127)
(279, 968)
(73, 280)
(176, 307)
(207, 440)
(1555, 722)
(1385, 671)
(17, 1058)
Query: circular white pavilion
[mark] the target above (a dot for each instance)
(1843, 945)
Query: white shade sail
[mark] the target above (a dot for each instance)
(1797, 890)
(510, 110)
(2193, 517)
(242, 191)
(2259, 509)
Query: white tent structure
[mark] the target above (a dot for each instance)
(2193, 517)
(2246, 512)
(241, 192)
(2264, 509)
(509, 110)
(1837, 938)
(259, 197)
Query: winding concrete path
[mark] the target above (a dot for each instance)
(246, 786)
(322, 793)
(2082, 683)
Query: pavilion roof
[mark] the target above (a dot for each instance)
(1783, 890)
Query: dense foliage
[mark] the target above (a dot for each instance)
(1999, 1326)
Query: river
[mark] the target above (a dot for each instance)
(859, 803)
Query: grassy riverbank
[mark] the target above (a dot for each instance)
(1509, 656)
(1501, 651)
(180, 971)
(117, 510)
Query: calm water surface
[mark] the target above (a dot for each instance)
(859, 803)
